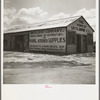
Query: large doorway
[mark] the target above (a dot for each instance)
(78, 43)
(19, 43)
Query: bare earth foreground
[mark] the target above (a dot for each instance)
(32, 68)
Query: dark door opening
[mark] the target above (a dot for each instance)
(19, 43)
(78, 46)
(84, 43)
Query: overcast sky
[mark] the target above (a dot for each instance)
(23, 12)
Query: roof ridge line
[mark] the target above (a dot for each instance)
(56, 19)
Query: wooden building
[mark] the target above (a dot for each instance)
(67, 36)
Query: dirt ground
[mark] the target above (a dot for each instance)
(32, 68)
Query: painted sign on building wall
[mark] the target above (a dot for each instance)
(53, 40)
(80, 26)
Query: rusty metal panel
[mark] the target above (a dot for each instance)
(26, 43)
(6, 42)
(12, 46)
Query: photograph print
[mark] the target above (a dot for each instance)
(49, 41)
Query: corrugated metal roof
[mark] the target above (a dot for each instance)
(44, 25)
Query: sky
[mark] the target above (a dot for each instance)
(24, 12)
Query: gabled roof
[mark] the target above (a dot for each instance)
(88, 23)
(44, 25)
